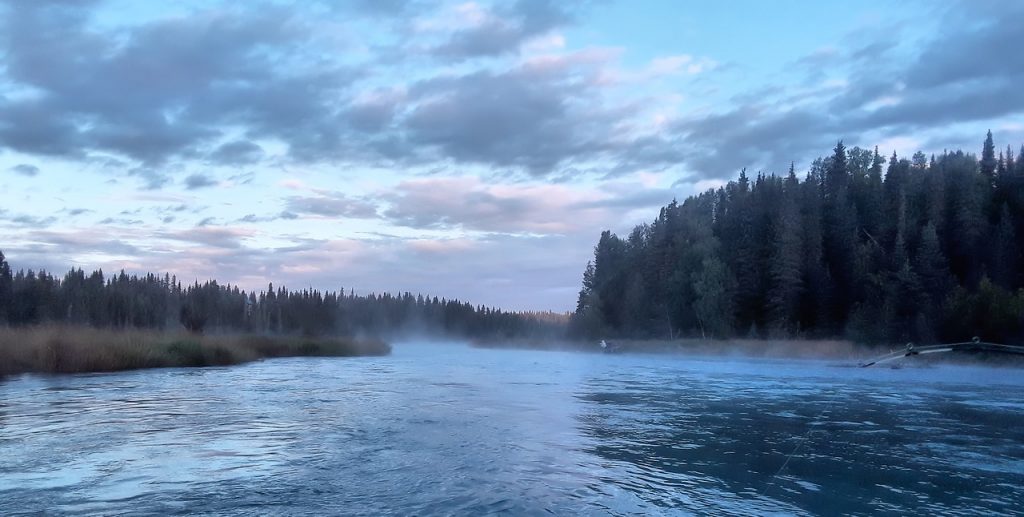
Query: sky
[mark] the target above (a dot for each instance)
(470, 150)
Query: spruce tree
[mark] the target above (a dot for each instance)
(988, 159)
(840, 237)
(6, 289)
(787, 261)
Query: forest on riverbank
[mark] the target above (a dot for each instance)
(163, 303)
(876, 250)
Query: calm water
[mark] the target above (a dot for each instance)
(444, 429)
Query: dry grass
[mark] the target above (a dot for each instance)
(64, 349)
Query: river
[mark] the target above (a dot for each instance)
(444, 429)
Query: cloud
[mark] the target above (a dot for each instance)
(719, 145)
(245, 178)
(959, 75)
(253, 218)
(219, 237)
(25, 169)
(469, 204)
(156, 96)
(31, 221)
(873, 51)
(529, 118)
(504, 30)
(381, 7)
(331, 204)
(160, 89)
(152, 178)
(198, 181)
(374, 111)
(238, 152)
(976, 48)
(41, 246)
(624, 197)
(164, 210)
(122, 221)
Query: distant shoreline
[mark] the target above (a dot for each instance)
(834, 350)
(784, 348)
(71, 349)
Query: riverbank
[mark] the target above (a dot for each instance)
(842, 351)
(795, 349)
(67, 349)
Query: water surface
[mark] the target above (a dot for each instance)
(439, 429)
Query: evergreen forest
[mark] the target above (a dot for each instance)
(864, 247)
(123, 301)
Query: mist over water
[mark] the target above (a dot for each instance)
(437, 429)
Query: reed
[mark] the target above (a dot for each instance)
(73, 349)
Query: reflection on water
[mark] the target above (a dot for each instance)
(442, 429)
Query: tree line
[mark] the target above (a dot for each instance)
(927, 251)
(152, 301)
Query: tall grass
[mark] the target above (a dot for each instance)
(70, 349)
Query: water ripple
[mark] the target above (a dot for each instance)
(436, 430)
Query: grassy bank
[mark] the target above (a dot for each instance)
(62, 349)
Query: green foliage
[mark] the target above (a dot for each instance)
(927, 252)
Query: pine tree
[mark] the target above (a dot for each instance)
(582, 303)
(786, 282)
(6, 289)
(988, 159)
(815, 299)
(871, 213)
(609, 278)
(840, 236)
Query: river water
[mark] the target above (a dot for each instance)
(444, 429)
